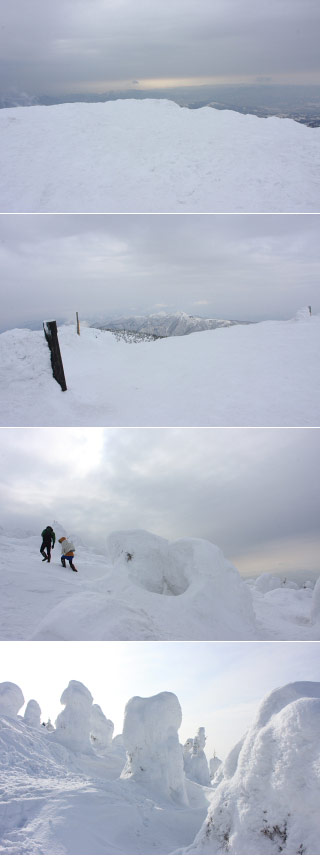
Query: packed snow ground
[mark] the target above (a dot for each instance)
(152, 155)
(145, 587)
(263, 374)
(62, 791)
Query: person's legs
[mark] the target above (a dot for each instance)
(63, 561)
(70, 560)
(43, 549)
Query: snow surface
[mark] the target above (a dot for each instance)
(144, 587)
(55, 800)
(263, 374)
(152, 155)
(268, 802)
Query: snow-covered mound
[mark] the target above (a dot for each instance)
(154, 589)
(268, 802)
(144, 587)
(162, 324)
(260, 374)
(152, 155)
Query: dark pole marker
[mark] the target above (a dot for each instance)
(309, 307)
(78, 323)
(51, 334)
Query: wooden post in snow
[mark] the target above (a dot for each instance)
(78, 323)
(309, 307)
(51, 334)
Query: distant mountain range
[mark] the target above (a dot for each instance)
(163, 325)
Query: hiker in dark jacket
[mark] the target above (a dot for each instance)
(48, 540)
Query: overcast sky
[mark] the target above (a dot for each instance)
(253, 492)
(244, 267)
(77, 45)
(219, 684)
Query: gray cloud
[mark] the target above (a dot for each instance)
(227, 266)
(72, 43)
(246, 490)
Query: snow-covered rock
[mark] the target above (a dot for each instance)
(73, 723)
(32, 714)
(153, 155)
(154, 755)
(101, 730)
(268, 797)
(11, 699)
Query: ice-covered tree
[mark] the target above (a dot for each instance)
(11, 699)
(32, 714)
(195, 761)
(214, 765)
(101, 730)
(154, 754)
(73, 723)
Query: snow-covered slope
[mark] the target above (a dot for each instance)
(153, 155)
(144, 588)
(268, 797)
(161, 324)
(261, 374)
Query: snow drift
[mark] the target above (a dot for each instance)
(268, 797)
(261, 374)
(152, 155)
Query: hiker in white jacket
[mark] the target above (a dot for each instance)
(67, 552)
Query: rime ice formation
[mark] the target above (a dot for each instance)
(49, 725)
(101, 730)
(268, 797)
(214, 765)
(11, 699)
(73, 723)
(195, 762)
(32, 714)
(154, 755)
